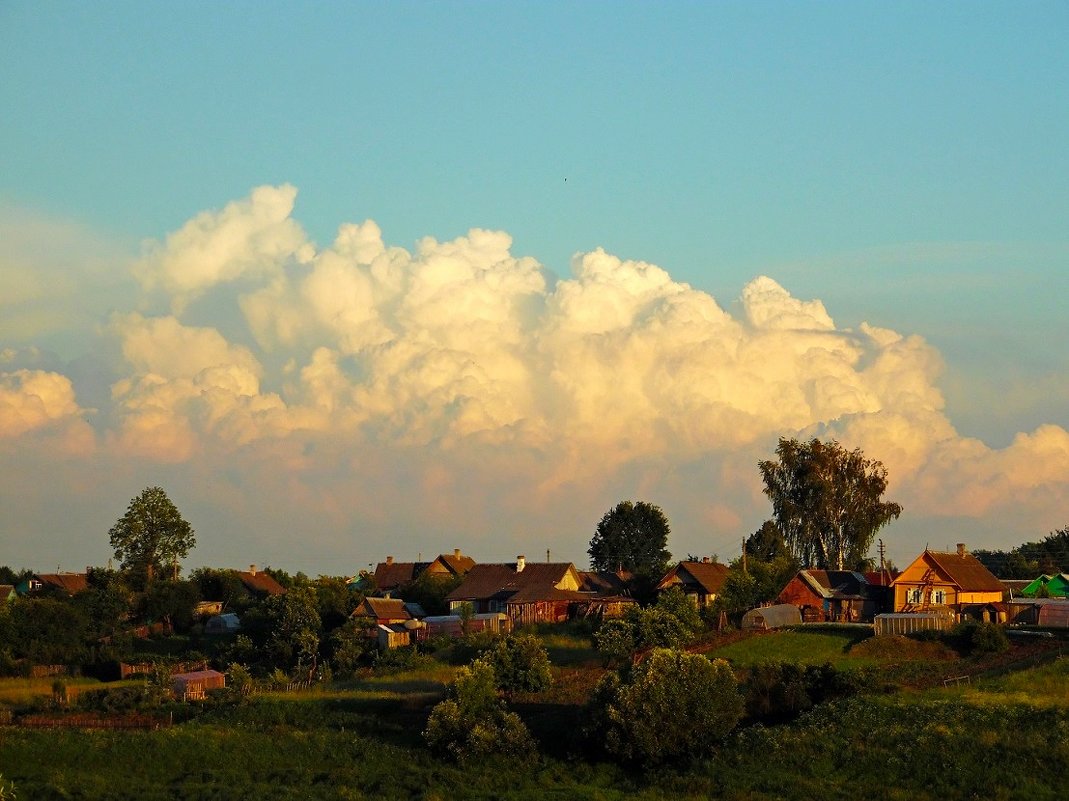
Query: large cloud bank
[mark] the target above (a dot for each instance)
(366, 398)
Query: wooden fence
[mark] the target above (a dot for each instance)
(89, 721)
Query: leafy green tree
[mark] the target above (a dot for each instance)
(681, 606)
(617, 639)
(672, 707)
(151, 535)
(106, 601)
(754, 583)
(767, 543)
(827, 501)
(350, 647)
(473, 722)
(295, 629)
(222, 585)
(429, 591)
(334, 600)
(658, 628)
(48, 631)
(13, 577)
(520, 664)
(631, 537)
(171, 602)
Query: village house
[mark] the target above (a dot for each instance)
(955, 583)
(701, 581)
(1056, 586)
(390, 621)
(526, 592)
(832, 595)
(607, 593)
(69, 583)
(391, 575)
(259, 583)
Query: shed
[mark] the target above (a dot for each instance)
(226, 623)
(908, 622)
(193, 686)
(772, 617)
(1054, 614)
(392, 636)
(452, 625)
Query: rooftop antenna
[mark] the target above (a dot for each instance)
(547, 549)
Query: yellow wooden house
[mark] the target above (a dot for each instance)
(941, 581)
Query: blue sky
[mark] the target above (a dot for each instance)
(903, 163)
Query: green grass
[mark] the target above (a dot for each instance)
(806, 645)
(918, 746)
(1003, 738)
(19, 691)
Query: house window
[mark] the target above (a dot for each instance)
(939, 597)
(915, 595)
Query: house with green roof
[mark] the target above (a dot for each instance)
(1056, 586)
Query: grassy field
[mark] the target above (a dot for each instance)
(19, 692)
(1004, 736)
(808, 645)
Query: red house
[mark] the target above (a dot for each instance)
(832, 595)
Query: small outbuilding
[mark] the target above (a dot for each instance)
(226, 623)
(909, 622)
(193, 686)
(772, 617)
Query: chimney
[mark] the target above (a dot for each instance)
(456, 553)
(961, 549)
(705, 560)
(389, 560)
(252, 569)
(521, 563)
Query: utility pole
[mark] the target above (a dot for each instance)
(744, 571)
(883, 572)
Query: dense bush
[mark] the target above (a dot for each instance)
(988, 638)
(780, 691)
(777, 691)
(672, 707)
(520, 664)
(969, 637)
(617, 640)
(672, 622)
(473, 722)
(395, 660)
(118, 699)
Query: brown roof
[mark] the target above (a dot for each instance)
(536, 582)
(457, 563)
(70, 583)
(839, 584)
(709, 577)
(391, 575)
(260, 583)
(604, 582)
(383, 609)
(966, 571)
(878, 579)
(6, 591)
